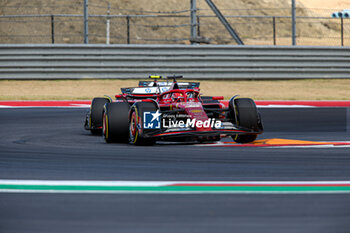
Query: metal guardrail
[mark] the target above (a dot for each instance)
(62, 61)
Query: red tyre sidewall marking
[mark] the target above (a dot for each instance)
(104, 125)
(133, 124)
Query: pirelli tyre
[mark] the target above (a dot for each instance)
(247, 116)
(137, 133)
(96, 111)
(116, 122)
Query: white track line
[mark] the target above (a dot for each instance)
(155, 183)
(172, 192)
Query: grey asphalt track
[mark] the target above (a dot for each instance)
(52, 144)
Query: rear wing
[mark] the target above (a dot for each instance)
(145, 91)
(182, 85)
(140, 90)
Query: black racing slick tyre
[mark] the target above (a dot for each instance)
(116, 122)
(247, 116)
(136, 130)
(96, 111)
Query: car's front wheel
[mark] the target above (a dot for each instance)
(115, 122)
(247, 116)
(136, 129)
(96, 111)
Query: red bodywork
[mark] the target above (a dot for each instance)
(189, 102)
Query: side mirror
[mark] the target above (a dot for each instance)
(218, 98)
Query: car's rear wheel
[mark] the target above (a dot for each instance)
(136, 129)
(247, 116)
(116, 122)
(96, 112)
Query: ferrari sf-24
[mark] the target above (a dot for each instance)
(172, 111)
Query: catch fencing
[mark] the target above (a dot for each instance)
(63, 22)
(171, 29)
(191, 61)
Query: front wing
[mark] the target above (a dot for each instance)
(174, 133)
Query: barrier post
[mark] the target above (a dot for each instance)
(52, 29)
(198, 27)
(342, 31)
(294, 28)
(128, 29)
(274, 29)
(86, 22)
(108, 24)
(193, 20)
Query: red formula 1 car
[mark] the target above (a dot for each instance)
(172, 111)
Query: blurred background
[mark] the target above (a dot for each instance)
(265, 22)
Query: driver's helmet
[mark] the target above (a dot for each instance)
(177, 97)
